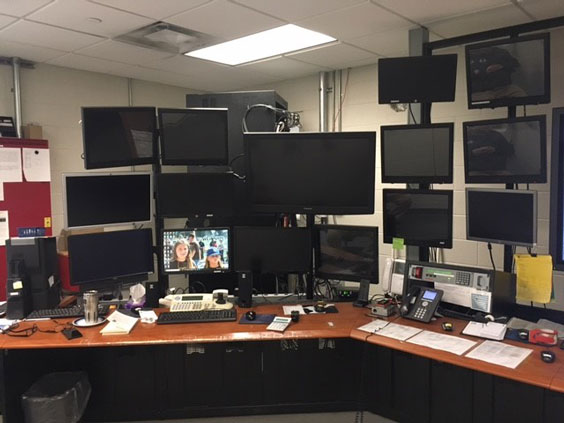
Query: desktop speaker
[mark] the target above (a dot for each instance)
(245, 296)
(153, 292)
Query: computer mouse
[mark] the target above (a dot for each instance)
(547, 356)
(319, 307)
(251, 315)
(447, 326)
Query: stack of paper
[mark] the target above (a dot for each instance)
(374, 326)
(439, 341)
(399, 332)
(119, 324)
(499, 353)
(490, 330)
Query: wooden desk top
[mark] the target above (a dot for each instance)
(339, 325)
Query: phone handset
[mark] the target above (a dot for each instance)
(409, 300)
(421, 303)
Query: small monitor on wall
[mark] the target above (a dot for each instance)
(417, 153)
(419, 217)
(502, 216)
(507, 151)
(509, 72)
(194, 250)
(197, 136)
(104, 199)
(118, 136)
(417, 79)
(347, 253)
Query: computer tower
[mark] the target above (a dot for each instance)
(18, 291)
(39, 256)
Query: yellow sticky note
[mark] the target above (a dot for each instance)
(534, 277)
(47, 222)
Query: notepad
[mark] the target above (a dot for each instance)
(119, 324)
(490, 330)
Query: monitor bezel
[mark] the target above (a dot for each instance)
(336, 276)
(88, 164)
(417, 179)
(94, 174)
(370, 137)
(510, 101)
(203, 270)
(122, 279)
(507, 179)
(556, 237)
(223, 112)
(434, 243)
(501, 241)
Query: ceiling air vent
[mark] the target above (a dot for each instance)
(163, 36)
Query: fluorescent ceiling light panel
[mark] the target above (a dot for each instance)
(274, 42)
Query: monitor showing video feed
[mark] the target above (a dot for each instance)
(417, 153)
(348, 253)
(505, 151)
(419, 217)
(509, 72)
(196, 250)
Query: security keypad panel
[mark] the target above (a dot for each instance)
(462, 286)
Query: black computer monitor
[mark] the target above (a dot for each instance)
(197, 136)
(271, 249)
(196, 250)
(104, 199)
(118, 136)
(502, 216)
(321, 172)
(420, 217)
(417, 79)
(108, 259)
(346, 253)
(505, 151)
(509, 72)
(417, 153)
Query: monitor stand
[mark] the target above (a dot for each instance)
(362, 299)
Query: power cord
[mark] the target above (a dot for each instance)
(491, 255)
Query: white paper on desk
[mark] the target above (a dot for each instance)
(289, 308)
(499, 353)
(4, 227)
(440, 341)
(10, 165)
(119, 324)
(36, 166)
(399, 332)
(490, 330)
(374, 326)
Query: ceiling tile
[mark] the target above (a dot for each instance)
(335, 56)
(163, 77)
(77, 61)
(480, 21)
(543, 9)
(121, 52)
(74, 14)
(356, 21)
(21, 8)
(392, 43)
(151, 8)
(284, 68)
(27, 52)
(47, 36)
(6, 20)
(225, 20)
(292, 10)
(423, 11)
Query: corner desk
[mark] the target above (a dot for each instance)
(320, 364)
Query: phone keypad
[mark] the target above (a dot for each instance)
(419, 312)
(463, 278)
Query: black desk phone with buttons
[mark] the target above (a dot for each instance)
(421, 303)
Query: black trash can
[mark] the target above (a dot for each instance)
(57, 398)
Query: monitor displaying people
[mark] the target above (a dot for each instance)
(195, 250)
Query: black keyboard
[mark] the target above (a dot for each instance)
(61, 313)
(200, 316)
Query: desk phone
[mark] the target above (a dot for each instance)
(421, 303)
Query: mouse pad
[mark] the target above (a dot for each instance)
(261, 319)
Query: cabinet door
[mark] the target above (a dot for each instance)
(242, 375)
(451, 398)
(411, 387)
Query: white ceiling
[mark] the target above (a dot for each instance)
(62, 33)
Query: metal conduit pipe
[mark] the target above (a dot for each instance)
(322, 102)
(17, 95)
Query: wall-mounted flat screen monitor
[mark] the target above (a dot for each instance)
(502, 216)
(195, 250)
(197, 136)
(317, 172)
(271, 249)
(420, 217)
(104, 199)
(417, 153)
(509, 72)
(417, 79)
(505, 151)
(187, 194)
(346, 253)
(115, 257)
(118, 136)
